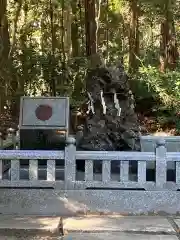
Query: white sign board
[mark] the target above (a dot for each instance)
(44, 113)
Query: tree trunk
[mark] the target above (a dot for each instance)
(168, 43)
(4, 31)
(134, 37)
(75, 35)
(67, 26)
(17, 84)
(15, 23)
(90, 26)
(53, 43)
(75, 30)
(4, 53)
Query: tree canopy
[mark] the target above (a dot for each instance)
(45, 47)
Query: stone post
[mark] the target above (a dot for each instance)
(1, 141)
(13, 135)
(161, 164)
(70, 163)
(79, 135)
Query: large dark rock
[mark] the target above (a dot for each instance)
(111, 123)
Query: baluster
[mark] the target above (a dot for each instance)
(15, 170)
(124, 171)
(106, 171)
(33, 169)
(141, 172)
(1, 169)
(51, 165)
(178, 172)
(88, 170)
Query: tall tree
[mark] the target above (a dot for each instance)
(75, 29)
(134, 36)
(90, 25)
(168, 43)
(4, 52)
(53, 45)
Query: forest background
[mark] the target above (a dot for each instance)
(45, 46)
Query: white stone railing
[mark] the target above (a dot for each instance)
(148, 143)
(91, 180)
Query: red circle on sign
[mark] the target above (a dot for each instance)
(43, 112)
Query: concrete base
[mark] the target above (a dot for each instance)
(121, 227)
(78, 202)
(131, 224)
(30, 226)
(93, 236)
(89, 227)
(117, 236)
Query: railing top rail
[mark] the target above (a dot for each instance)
(84, 155)
(124, 156)
(91, 155)
(110, 155)
(173, 156)
(166, 138)
(31, 154)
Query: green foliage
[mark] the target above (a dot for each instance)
(166, 86)
(165, 89)
(48, 45)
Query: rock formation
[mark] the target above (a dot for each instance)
(111, 123)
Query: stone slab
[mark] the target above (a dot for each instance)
(48, 202)
(146, 224)
(177, 222)
(31, 224)
(29, 237)
(117, 236)
(94, 236)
